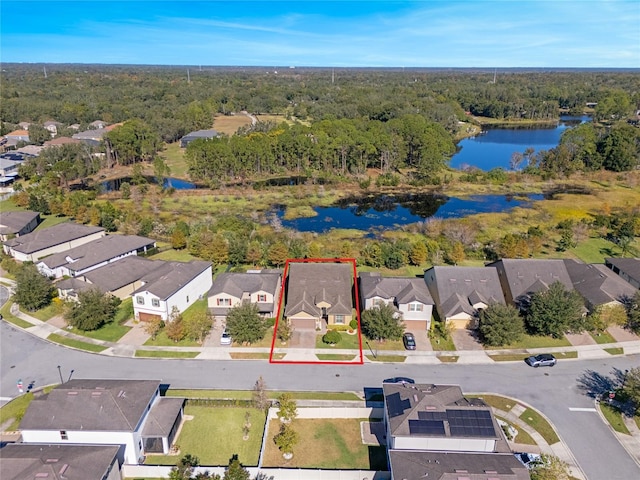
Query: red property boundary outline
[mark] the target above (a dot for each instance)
(352, 261)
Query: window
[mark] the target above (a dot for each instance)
(340, 319)
(224, 302)
(155, 302)
(187, 298)
(262, 297)
(63, 435)
(415, 307)
(140, 300)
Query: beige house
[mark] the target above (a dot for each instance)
(319, 295)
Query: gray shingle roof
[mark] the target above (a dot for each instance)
(238, 283)
(311, 283)
(116, 275)
(22, 461)
(13, 222)
(630, 266)
(171, 277)
(525, 276)
(421, 465)
(97, 251)
(597, 284)
(402, 289)
(456, 288)
(93, 405)
(50, 237)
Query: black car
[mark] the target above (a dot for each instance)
(409, 341)
(542, 360)
(399, 380)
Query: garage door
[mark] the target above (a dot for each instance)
(303, 323)
(461, 324)
(147, 317)
(415, 325)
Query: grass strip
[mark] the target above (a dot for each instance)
(448, 358)
(247, 394)
(571, 354)
(165, 354)
(387, 358)
(440, 344)
(14, 410)
(70, 342)
(614, 351)
(614, 417)
(9, 317)
(335, 357)
(255, 356)
(46, 313)
(508, 357)
(538, 422)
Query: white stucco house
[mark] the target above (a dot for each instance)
(105, 412)
(175, 284)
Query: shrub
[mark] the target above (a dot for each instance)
(331, 337)
(353, 324)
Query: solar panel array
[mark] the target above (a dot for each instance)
(462, 423)
(471, 423)
(396, 406)
(426, 427)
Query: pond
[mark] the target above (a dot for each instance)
(494, 146)
(388, 212)
(169, 182)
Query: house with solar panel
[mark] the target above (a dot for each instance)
(435, 432)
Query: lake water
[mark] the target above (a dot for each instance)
(494, 147)
(170, 182)
(387, 212)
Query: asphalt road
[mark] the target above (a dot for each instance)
(554, 391)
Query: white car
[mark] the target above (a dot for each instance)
(225, 338)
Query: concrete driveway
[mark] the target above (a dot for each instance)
(466, 339)
(302, 338)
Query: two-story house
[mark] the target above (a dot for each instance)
(261, 288)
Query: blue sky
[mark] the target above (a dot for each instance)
(371, 33)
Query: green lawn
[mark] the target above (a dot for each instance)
(165, 354)
(448, 358)
(387, 358)
(326, 444)
(114, 330)
(497, 401)
(46, 313)
(347, 342)
(614, 417)
(69, 342)
(9, 317)
(508, 357)
(335, 357)
(162, 340)
(522, 436)
(247, 394)
(215, 434)
(535, 341)
(172, 255)
(603, 337)
(595, 250)
(174, 157)
(538, 422)
(14, 410)
(440, 344)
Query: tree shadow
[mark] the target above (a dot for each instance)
(598, 386)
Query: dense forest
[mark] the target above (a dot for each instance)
(338, 122)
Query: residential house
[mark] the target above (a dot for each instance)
(105, 412)
(17, 136)
(61, 141)
(119, 279)
(261, 288)
(520, 278)
(22, 461)
(319, 294)
(419, 465)
(627, 268)
(598, 285)
(8, 167)
(175, 284)
(409, 295)
(94, 254)
(24, 125)
(52, 126)
(460, 292)
(59, 238)
(30, 150)
(14, 224)
(90, 137)
(190, 137)
(96, 124)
